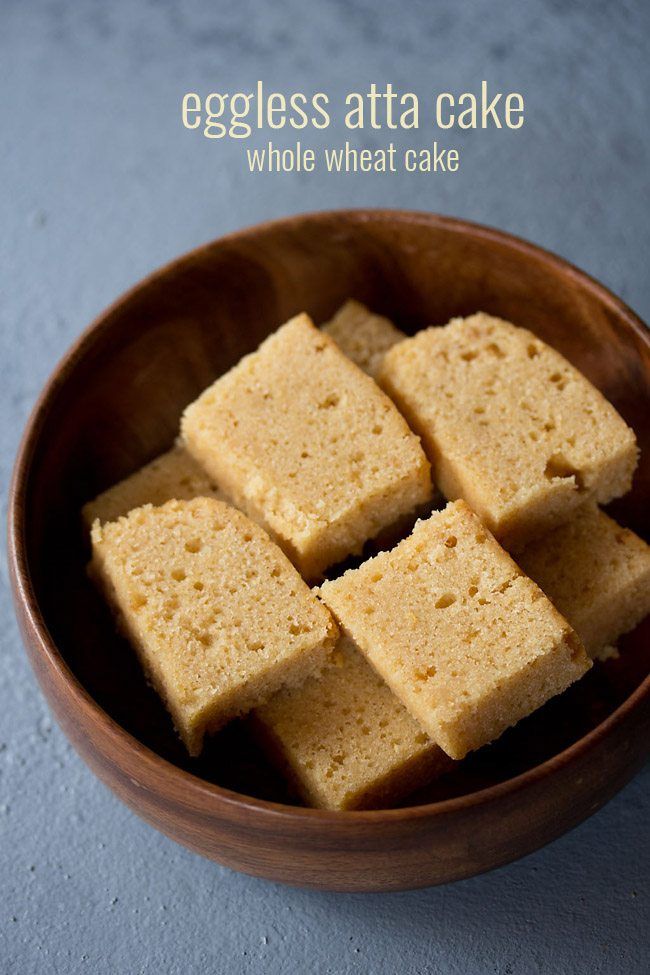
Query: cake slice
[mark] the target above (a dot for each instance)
(467, 642)
(216, 612)
(363, 336)
(596, 574)
(345, 740)
(309, 446)
(509, 425)
(173, 475)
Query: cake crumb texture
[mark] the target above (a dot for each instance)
(218, 615)
(467, 642)
(363, 336)
(309, 446)
(175, 475)
(345, 740)
(596, 573)
(509, 425)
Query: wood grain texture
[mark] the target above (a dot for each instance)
(113, 404)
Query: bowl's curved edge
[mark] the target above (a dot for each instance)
(55, 677)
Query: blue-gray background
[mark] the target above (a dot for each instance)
(99, 184)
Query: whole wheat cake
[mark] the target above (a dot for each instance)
(363, 336)
(309, 446)
(467, 642)
(509, 425)
(596, 573)
(174, 475)
(344, 740)
(216, 612)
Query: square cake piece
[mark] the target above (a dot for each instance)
(345, 740)
(216, 612)
(363, 336)
(308, 446)
(468, 643)
(174, 475)
(509, 425)
(595, 573)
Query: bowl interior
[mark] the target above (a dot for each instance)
(117, 399)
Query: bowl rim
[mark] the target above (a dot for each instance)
(153, 767)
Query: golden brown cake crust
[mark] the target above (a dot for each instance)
(218, 615)
(175, 475)
(466, 641)
(308, 446)
(509, 424)
(363, 336)
(596, 573)
(345, 740)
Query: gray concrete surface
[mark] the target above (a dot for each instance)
(98, 185)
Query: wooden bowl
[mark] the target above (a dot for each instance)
(114, 403)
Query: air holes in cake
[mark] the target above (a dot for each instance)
(426, 674)
(480, 537)
(275, 571)
(469, 355)
(248, 536)
(332, 400)
(451, 541)
(532, 351)
(472, 590)
(377, 429)
(558, 380)
(178, 575)
(479, 410)
(198, 585)
(496, 350)
(138, 602)
(447, 599)
(376, 576)
(558, 466)
(193, 545)
(305, 454)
